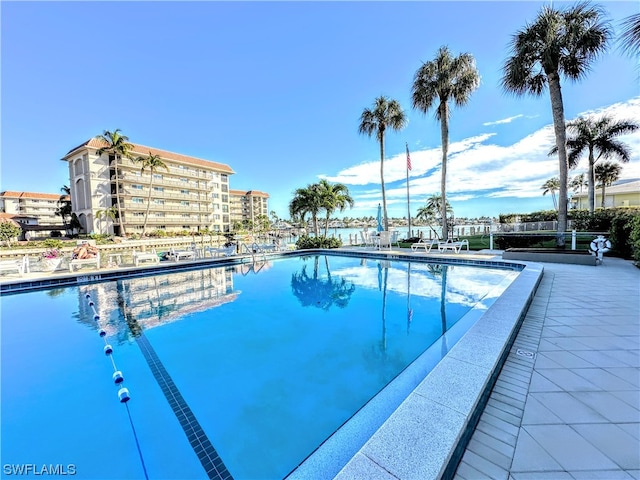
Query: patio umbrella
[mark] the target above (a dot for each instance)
(380, 228)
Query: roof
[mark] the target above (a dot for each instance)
(620, 187)
(41, 196)
(8, 218)
(255, 193)
(96, 143)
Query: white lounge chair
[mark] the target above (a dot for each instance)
(395, 238)
(423, 243)
(17, 265)
(220, 251)
(80, 262)
(145, 257)
(367, 240)
(454, 246)
(178, 255)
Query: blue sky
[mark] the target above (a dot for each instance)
(275, 90)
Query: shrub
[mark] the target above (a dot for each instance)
(305, 242)
(158, 233)
(52, 243)
(634, 239)
(621, 232)
(9, 231)
(521, 240)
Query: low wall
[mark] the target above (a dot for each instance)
(550, 256)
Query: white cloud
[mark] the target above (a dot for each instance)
(477, 168)
(504, 120)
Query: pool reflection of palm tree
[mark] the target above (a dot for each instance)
(321, 292)
(441, 271)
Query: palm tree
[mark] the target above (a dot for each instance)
(64, 209)
(386, 113)
(558, 42)
(153, 163)
(606, 174)
(552, 186)
(597, 137)
(117, 145)
(578, 182)
(445, 78)
(108, 213)
(333, 196)
(630, 36)
(430, 213)
(307, 200)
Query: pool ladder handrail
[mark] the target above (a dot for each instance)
(253, 250)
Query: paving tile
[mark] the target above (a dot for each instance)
(632, 429)
(529, 456)
(614, 442)
(600, 475)
(557, 475)
(505, 407)
(467, 472)
(535, 413)
(540, 383)
(488, 453)
(631, 397)
(569, 449)
(514, 420)
(569, 380)
(568, 408)
(496, 432)
(628, 374)
(360, 466)
(605, 358)
(609, 406)
(604, 379)
(565, 359)
(488, 468)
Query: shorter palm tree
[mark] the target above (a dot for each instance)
(552, 186)
(307, 200)
(431, 213)
(333, 196)
(108, 214)
(578, 182)
(64, 209)
(606, 174)
(153, 163)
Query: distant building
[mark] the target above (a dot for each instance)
(248, 205)
(41, 206)
(191, 194)
(623, 193)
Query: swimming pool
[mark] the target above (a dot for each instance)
(251, 365)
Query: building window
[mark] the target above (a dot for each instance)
(184, 192)
(225, 208)
(225, 188)
(158, 189)
(157, 176)
(136, 187)
(215, 186)
(184, 203)
(225, 198)
(216, 207)
(224, 177)
(215, 195)
(185, 215)
(184, 180)
(159, 214)
(216, 228)
(138, 214)
(158, 201)
(137, 200)
(216, 217)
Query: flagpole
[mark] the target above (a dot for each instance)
(408, 205)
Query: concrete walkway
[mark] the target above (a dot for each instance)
(567, 402)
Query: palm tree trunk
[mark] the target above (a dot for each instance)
(146, 215)
(557, 109)
(444, 130)
(591, 182)
(120, 217)
(603, 186)
(384, 196)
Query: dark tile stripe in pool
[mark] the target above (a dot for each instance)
(211, 461)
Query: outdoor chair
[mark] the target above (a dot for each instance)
(18, 265)
(384, 240)
(145, 257)
(177, 255)
(423, 243)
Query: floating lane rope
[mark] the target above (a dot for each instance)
(118, 379)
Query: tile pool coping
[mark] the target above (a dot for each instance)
(427, 434)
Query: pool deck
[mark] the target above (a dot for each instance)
(565, 405)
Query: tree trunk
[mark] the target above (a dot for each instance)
(384, 196)
(557, 109)
(591, 182)
(120, 218)
(444, 129)
(603, 185)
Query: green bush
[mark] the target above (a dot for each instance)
(52, 243)
(158, 233)
(634, 239)
(522, 240)
(305, 242)
(621, 233)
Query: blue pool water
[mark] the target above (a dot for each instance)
(243, 370)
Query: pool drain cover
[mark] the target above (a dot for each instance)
(524, 353)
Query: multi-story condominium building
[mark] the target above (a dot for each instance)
(190, 194)
(248, 205)
(41, 206)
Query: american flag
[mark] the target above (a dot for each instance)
(408, 158)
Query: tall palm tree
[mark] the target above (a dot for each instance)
(558, 43)
(630, 36)
(153, 163)
(597, 137)
(64, 209)
(386, 113)
(117, 145)
(444, 79)
(606, 174)
(333, 196)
